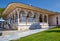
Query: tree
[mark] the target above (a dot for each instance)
(1, 11)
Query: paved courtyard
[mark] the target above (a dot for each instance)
(19, 34)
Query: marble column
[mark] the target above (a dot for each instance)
(38, 17)
(18, 16)
(26, 18)
(47, 18)
(42, 20)
(14, 16)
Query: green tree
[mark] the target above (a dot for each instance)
(1, 11)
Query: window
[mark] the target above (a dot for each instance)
(45, 18)
(30, 14)
(22, 16)
(40, 18)
(35, 17)
(22, 13)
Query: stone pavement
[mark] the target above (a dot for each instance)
(18, 34)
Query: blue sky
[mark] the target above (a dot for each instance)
(52, 5)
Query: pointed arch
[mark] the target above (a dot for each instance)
(29, 14)
(45, 18)
(35, 15)
(22, 13)
(29, 17)
(57, 21)
(40, 18)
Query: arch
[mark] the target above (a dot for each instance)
(57, 20)
(29, 17)
(40, 18)
(35, 15)
(29, 14)
(45, 18)
(22, 13)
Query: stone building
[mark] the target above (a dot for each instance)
(21, 16)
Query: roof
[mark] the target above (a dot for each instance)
(13, 6)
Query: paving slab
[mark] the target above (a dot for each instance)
(18, 35)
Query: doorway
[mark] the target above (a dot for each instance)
(57, 21)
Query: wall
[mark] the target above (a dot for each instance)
(22, 24)
(59, 19)
(52, 20)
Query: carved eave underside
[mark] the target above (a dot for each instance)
(13, 6)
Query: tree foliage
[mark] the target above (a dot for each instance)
(1, 11)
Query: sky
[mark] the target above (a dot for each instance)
(52, 5)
